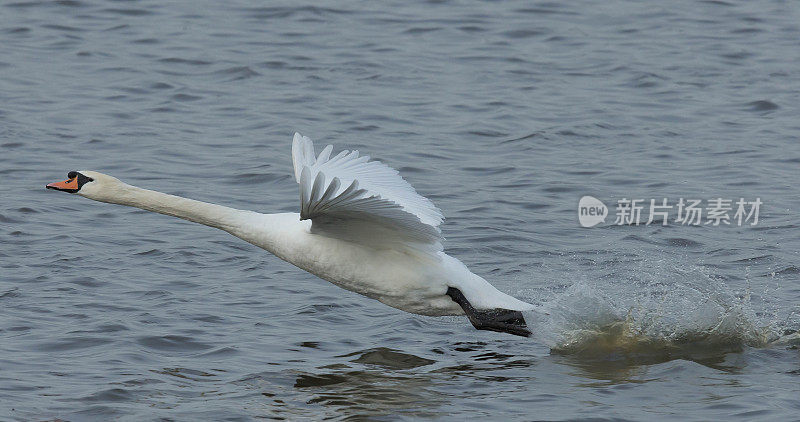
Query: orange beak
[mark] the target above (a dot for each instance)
(69, 185)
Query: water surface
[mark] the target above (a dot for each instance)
(504, 114)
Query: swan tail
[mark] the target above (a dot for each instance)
(497, 319)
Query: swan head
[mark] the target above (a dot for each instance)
(91, 184)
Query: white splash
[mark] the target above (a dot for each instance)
(656, 308)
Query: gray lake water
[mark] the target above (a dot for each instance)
(504, 113)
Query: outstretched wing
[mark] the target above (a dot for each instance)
(351, 197)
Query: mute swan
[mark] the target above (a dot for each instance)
(361, 226)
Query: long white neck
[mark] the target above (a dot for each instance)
(272, 232)
(218, 216)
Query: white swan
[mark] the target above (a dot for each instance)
(360, 226)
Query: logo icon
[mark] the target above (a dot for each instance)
(591, 211)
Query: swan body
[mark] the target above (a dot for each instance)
(409, 281)
(361, 227)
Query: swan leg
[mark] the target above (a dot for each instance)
(498, 319)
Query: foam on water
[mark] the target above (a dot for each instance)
(659, 308)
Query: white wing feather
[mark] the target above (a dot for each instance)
(352, 197)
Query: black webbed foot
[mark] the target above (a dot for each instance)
(498, 319)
